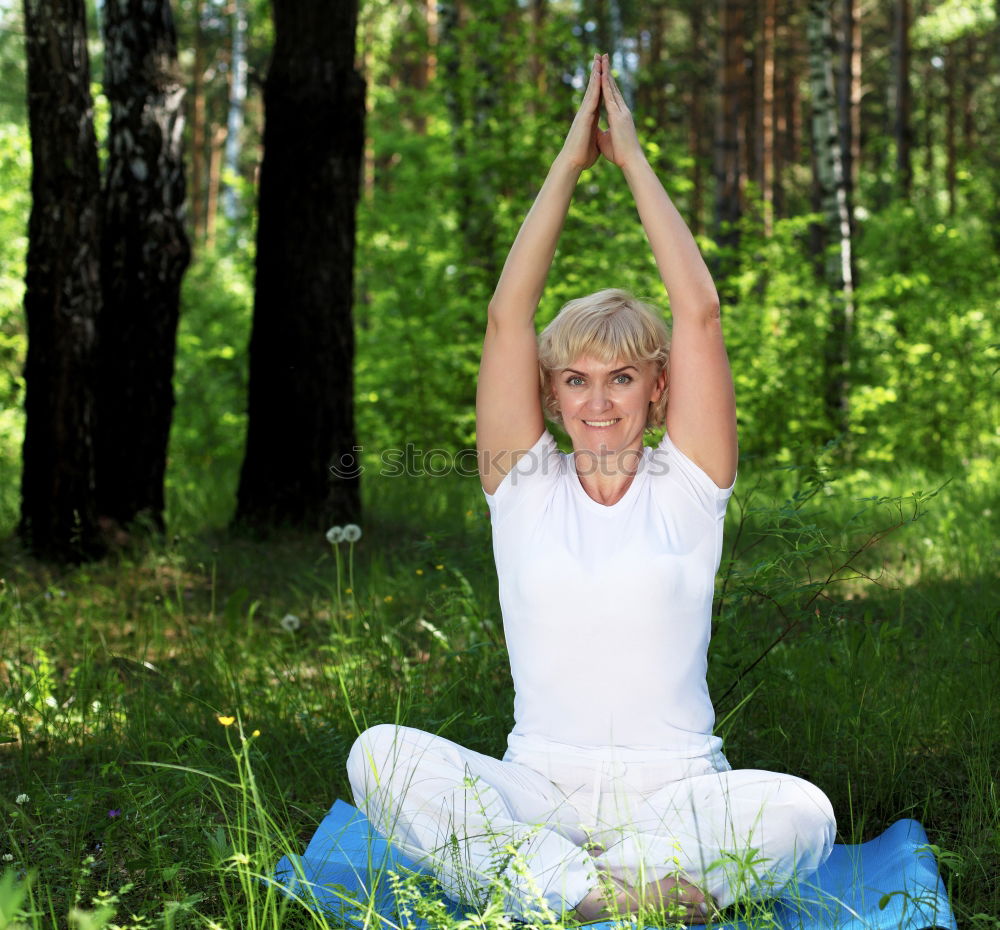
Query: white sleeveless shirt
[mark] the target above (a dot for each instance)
(607, 609)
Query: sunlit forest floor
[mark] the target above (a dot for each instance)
(125, 798)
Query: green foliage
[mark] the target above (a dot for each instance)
(15, 206)
(951, 20)
(210, 383)
(927, 334)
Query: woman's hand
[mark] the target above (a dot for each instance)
(580, 147)
(619, 142)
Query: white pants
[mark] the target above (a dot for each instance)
(541, 827)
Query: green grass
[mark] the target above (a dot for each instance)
(144, 810)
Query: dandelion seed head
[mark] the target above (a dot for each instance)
(335, 535)
(290, 623)
(352, 533)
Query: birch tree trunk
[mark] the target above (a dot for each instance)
(144, 253)
(837, 245)
(62, 299)
(237, 103)
(300, 468)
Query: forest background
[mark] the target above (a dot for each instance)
(860, 305)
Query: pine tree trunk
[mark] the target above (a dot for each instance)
(144, 253)
(198, 131)
(62, 298)
(950, 128)
(903, 103)
(728, 167)
(699, 127)
(833, 189)
(766, 155)
(299, 468)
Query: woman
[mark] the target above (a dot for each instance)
(613, 793)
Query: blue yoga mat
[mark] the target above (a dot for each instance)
(888, 883)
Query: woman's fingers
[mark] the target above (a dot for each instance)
(610, 87)
(593, 92)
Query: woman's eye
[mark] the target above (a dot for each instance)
(574, 380)
(623, 379)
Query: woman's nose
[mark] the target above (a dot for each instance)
(598, 399)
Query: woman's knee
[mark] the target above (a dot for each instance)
(370, 756)
(803, 825)
(812, 825)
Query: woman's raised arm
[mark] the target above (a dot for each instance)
(701, 405)
(508, 408)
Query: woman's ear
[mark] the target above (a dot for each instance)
(659, 386)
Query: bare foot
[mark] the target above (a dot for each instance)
(676, 896)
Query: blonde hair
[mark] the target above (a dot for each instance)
(607, 326)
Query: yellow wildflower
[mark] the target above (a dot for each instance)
(226, 721)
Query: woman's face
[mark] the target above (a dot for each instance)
(605, 406)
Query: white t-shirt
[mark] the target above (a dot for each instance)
(607, 609)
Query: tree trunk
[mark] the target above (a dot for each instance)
(837, 227)
(950, 129)
(217, 142)
(144, 253)
(234, 114)
(300, 467)
(903, 103)
(728, 167)
(698, 125)
(198, 130)
(62, 297)
(849, 96)
(765, 159)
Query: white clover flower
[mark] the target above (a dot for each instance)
(352, 533)
(335, 535)
(21, 799)
(8, 857)
(290, 623)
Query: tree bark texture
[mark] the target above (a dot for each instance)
(63, 293)
(198, 130)
(729, 167)
(765, 158)
(903, 103)
(144, 254)
(828, 159)
(299, 468)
